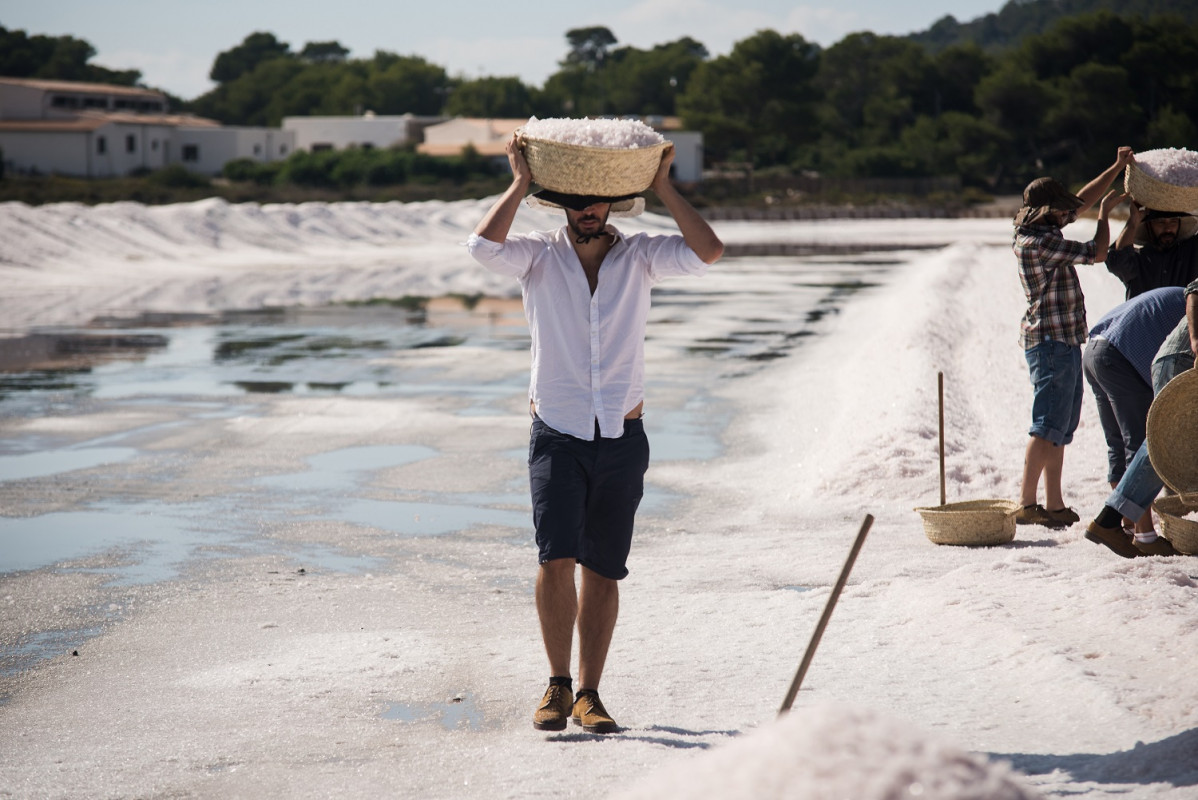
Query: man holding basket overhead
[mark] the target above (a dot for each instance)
(586, 297)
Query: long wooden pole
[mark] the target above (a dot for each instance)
(827, 615)
(940, 388)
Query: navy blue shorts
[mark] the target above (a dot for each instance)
(585, 495)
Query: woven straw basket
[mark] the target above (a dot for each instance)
(599, 171)
(1172, 434)
(973, 523)
(1181, 533)
(1154, 193)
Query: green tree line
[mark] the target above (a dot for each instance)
(994, 102)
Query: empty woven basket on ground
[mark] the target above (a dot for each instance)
(599, 171)
(1155, 193)
(1181, 533)
(1173, 434)
(974, 523)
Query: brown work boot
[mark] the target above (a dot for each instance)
(591, 715)
(1114, 538)
(1064, 517)
(1037, 514)
(554, 710)
(1159, 546)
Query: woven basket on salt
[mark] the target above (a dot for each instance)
(1182, 533)
(599, 171)
(974, 523)
(1154, 193)
(1172, 435)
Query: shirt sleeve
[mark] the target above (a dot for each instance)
(1123, 264)
(512, 257)
(1061, 251)
(671, 256)
(1191, 288)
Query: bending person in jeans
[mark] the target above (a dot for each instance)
(1140, 485)
(1118, 366)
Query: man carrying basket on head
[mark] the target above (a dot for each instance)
(586, 297)
(1155, 249)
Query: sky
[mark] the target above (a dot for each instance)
(174, 43)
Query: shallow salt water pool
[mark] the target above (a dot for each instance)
(185, 371)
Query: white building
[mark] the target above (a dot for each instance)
(368, 130)
(207, 149)
(96, 130)
(487, 136)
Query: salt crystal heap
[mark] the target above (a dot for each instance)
(615, 134)
(1171, 165)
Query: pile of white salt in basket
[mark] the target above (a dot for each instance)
(616, 134)
(1174, 166)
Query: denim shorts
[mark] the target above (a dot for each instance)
(1056, 372)
(585, 495)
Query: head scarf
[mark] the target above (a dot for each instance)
(1043, 196)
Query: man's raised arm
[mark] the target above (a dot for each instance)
(498, 221)
(698, 234)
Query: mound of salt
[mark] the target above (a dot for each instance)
(616, 134)
(1172, 165)
(834, 752)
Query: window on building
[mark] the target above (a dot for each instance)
(101, 145)
(320, 147)
(257, 149)
(282, 149)
(154, 145)
(191, 152)
(130, 143)
(95, 102)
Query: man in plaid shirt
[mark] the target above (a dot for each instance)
(1054, 327)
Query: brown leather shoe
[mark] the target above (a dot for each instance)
(1159, 546)
(554, 710)
(1039, 515)
(1114, 538)
(591, 715)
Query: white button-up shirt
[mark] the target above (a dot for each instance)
(588, 351)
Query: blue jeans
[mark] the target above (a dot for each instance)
(1056, 371)
(1123, 398)
(1140, 484)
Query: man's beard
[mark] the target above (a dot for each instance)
(582, 237)
(1166, 240)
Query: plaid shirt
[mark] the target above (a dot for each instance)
(1056, 307)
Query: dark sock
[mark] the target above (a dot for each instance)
(1109, 518)
(561, 680)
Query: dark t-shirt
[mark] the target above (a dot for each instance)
(1145, 268)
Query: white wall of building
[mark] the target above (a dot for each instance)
(338, 133)
(109, 150)
(206, 150)
(63, 152)
(22, 102)
(118, 148)
(688, 155)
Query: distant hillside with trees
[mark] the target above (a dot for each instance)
(1019, 19)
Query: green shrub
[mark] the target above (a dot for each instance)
(177, 176)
